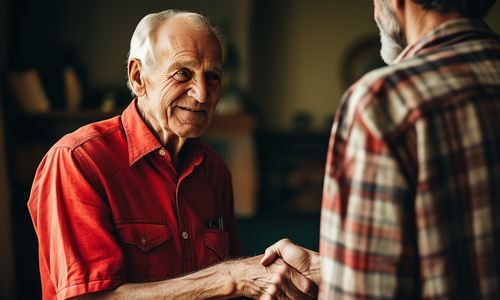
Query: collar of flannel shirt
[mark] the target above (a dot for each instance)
(449, 32)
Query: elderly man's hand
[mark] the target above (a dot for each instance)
(275, 281)
(301, 259)
(227, 280)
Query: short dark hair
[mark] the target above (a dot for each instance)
(477, 9)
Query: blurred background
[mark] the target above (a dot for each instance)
(288, 62)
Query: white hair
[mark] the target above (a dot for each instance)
(142, 44)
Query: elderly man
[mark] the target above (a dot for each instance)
(411, 200)
(122, 206)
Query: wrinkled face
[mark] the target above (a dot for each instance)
(183, 89)
(392, 35)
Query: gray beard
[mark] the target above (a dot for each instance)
(392, 36)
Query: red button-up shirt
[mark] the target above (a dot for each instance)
(109, 208)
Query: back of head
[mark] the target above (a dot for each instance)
(142, 44)
(476, 9)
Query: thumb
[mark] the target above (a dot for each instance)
(274, 251)
(269, 257)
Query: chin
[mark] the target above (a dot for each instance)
(192, 131)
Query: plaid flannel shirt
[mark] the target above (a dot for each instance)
(411, 201)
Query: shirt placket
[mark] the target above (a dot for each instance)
(185, 229)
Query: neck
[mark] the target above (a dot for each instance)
(170, 141)
(418, 22)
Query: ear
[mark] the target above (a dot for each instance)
(400, 8)
(397, 4)
(135, 77)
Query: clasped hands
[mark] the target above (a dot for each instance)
(294, 272)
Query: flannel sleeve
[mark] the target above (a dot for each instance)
(367, 242)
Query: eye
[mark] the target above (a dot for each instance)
(182, 75)
(213, 78)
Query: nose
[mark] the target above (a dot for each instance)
(199, 90)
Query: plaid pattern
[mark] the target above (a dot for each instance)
(411, 203)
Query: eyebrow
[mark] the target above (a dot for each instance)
(183, 64)
(192, 64)
(216, 69)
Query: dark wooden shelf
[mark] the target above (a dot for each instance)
(77, 115)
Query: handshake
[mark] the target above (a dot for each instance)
(285, 271)
(291, 272)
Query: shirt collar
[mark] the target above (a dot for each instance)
(141, 140)
(449, 32)
(196, 151)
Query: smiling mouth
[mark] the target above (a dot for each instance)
(188, 109)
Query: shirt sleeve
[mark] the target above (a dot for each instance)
(77, 251)
(366, 242)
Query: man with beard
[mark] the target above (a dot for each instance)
(411, 200)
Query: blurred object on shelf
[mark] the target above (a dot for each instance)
(108, 102)
(27, 89)
(72, 88)
(73, 75)
(304, 183)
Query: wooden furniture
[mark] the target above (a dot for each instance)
(232, 136)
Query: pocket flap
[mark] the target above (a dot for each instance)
(217, 240)
(143, 235)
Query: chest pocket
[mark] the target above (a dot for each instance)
(216, 245)
(147, 249)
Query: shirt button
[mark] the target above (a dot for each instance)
(144, 241)
(162, 152)
(185, 235)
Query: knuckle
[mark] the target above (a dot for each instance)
(284, 241)
(282, 270)
(273, 290)
(280, 280)
(309, 288)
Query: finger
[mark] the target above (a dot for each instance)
(304, 284)
(295, 294)
(294, 255)
(269, 257)
(282, 296)
(292, 283)
(274, 251)
(267, 297)
(272, 293)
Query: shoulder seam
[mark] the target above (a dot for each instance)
(88, 138)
